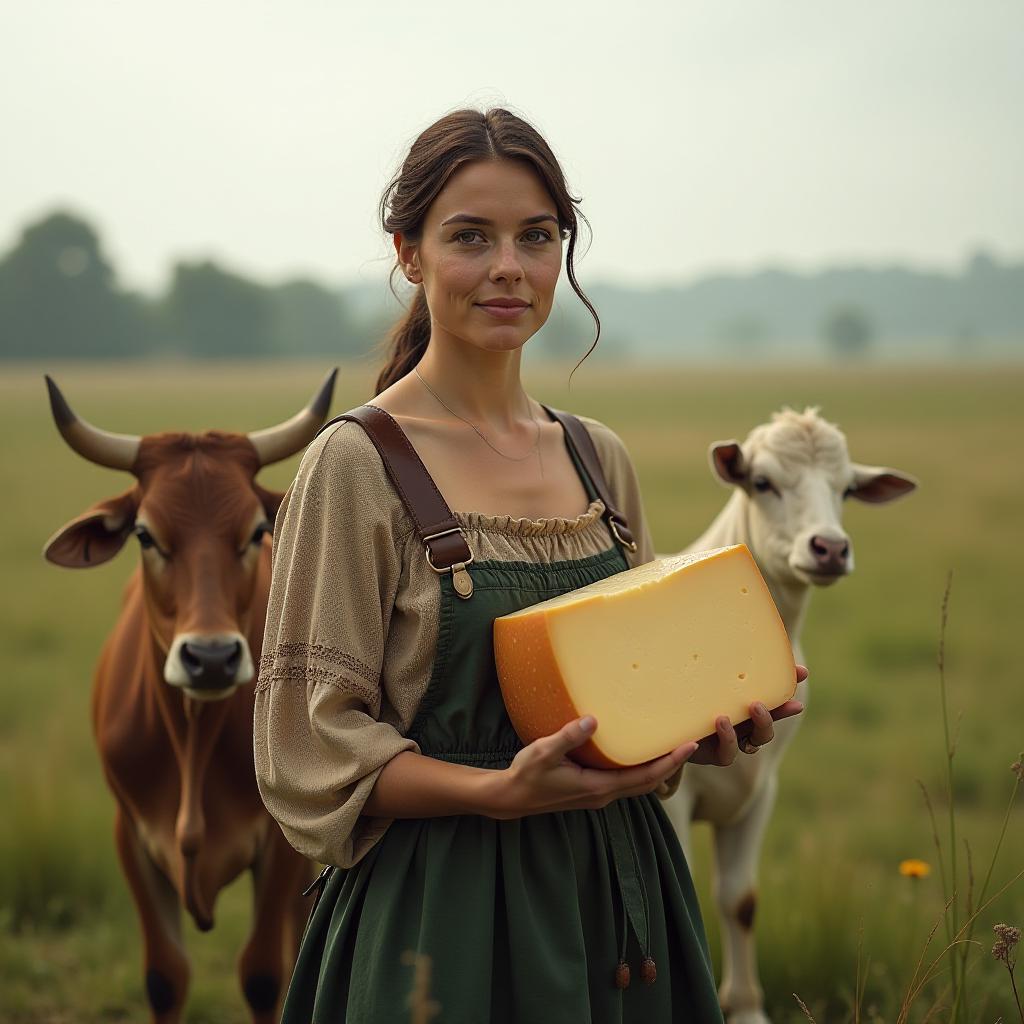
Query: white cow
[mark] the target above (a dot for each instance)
(790, 478)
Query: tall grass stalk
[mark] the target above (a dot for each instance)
(957, 963)
(959, 936)
(934, 969)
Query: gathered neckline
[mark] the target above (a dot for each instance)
(525, 527)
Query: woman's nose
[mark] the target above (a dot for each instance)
(506, 265)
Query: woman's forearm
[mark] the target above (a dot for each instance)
(413, 785)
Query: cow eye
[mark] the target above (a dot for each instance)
(849, 490)
(762, 484)
(145, 538)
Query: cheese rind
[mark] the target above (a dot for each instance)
(655, 653)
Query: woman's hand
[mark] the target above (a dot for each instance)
(542, 778)
(722, 746)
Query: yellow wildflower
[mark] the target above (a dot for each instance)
(915, 869)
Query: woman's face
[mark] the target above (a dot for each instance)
(491, 235)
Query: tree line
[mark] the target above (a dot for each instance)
(60, 298)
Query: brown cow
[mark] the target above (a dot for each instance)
(172, 701)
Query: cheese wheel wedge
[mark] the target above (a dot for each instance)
(654, 653)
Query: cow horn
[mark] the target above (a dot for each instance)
(117, 451)
(277, 443)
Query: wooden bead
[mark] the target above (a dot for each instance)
(622, 975)
(648, 970)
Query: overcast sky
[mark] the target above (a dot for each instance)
(703, 136)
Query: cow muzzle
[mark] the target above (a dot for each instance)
(822, 559)
(208, 666)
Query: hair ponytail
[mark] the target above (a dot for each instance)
(438, 152)
(407, 341)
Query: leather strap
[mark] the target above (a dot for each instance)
(436, 526)
(583, 444)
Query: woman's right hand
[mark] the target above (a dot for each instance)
(541, 777)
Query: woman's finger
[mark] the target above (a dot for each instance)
(643, 777)
(801, 673)
(573, 734)
(787, 710)
(728, 745)
(762, 732)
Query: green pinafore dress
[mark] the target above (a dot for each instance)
(525, 921)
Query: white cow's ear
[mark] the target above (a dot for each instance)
(877, 485)
(727, 461)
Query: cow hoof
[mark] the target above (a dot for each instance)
(261, 991)
(159, 991)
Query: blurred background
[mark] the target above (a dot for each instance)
(792, 203)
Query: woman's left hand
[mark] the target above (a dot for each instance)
(722, 746)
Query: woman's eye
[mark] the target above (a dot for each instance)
(540, 235)
(762, 484)
(466, 237)
(259, 533)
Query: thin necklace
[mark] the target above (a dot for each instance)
(518, 458)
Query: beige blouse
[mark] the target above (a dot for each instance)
(352, 627)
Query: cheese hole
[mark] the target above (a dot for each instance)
(635, 665)
(696, 657)
(742, 675)
(743, 590)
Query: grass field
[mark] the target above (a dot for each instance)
(850, 808)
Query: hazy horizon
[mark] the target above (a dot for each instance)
(782, 134)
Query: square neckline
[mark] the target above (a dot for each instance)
(524, 525)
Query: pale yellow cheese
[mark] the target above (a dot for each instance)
(654, 653)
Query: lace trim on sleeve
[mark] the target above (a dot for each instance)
(319, 663)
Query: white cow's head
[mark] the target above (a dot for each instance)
(795, 473)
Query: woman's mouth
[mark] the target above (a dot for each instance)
(504, 309)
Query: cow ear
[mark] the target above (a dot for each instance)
(96, 535)
(877, 484)
(727, 461)
(271, 501)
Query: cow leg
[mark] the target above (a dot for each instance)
(301, 908)
(679, 808)
(737, 851)
(279, 875)
(164, 959)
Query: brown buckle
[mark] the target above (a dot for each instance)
(630, 545)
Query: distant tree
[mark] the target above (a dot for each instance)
(847, 331)
(59, 296)
(569, 333)
(981, 263)
(743, 333)
(311, 320)
(211, 312)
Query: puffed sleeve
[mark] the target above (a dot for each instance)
(624, 483)
(319, 743)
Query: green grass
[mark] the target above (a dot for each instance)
(849, 809)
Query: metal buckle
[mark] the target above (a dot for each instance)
(628, 544)
(444, 533)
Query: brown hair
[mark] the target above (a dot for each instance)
(439, 151)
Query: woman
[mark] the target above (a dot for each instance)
(540, 890)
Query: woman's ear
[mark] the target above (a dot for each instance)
(408, 258)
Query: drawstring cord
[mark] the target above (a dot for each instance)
(648, 968)
(635, 905)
